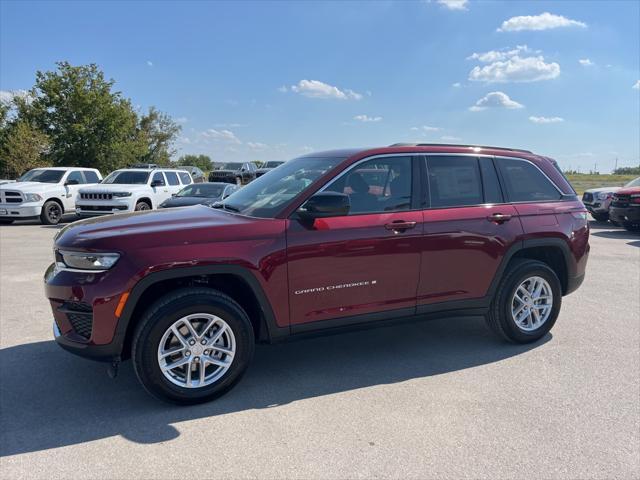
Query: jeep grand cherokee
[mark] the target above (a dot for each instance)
(327, 240)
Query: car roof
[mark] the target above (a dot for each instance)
(148, 170)
(65, 168)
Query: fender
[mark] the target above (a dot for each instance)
(274, 332)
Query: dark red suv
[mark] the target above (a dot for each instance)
(328, 240)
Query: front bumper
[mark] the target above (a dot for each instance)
(101, 353)
(597, 207)
(96, 209)
(19, 211)
(624, 215)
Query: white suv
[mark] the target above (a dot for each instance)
(47, 193)
(131, 189)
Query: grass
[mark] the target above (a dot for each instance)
(585, 181)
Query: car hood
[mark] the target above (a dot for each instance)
(144, 231)
(602, 189)
(29, 187)
(187, 201)
(629, 191)
(112, 187)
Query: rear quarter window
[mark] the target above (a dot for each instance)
(186, 179)
(524, 182)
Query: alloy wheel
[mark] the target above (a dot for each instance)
(532, 303)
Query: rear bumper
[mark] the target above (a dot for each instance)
(625, 214)
(8, 210)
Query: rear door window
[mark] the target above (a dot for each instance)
(172, 178)
(454, 181)
(524, 182)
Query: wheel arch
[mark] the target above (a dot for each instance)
(233, 280)
(54, 199)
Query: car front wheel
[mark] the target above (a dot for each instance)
(192, 346)
(527, 302)
(51, 213)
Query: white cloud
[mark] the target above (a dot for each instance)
(257, 146)
(149, 63)
(544, 21)
(7, 96)
(500, 55)
(222, 135)
(456, 85)
(454, 4)
(636, 85)
(513, 68)
(546, 119)
(450, 138)
(495, 100)
(318, 89)
(425, 129)
(585, 62)
(283, 89)
(367, 118)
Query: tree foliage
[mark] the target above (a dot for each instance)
(203, 162)
(627, 171)
(22, 148)
(158, 131)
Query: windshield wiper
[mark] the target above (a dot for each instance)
(224, 206)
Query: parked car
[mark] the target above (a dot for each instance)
(449, 230)
(131, 189)
(267, 167)
(200, 194)
(44, 193)
(196, 173)
(234, 172)
(625, 208)
(598, 200)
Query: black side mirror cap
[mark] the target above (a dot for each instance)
(324, 205)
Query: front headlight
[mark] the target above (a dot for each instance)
(121, 194)
(88, 261)
(32, 197)
(603, 195)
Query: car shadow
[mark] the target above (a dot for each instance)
(50, 398)
(621, 234)
(63, 221)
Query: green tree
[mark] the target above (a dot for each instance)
(627, 171)
(22, 148)
(203, 162)
(88, 123)
(158, 131)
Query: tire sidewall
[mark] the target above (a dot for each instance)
(521, 274)
(145, 348)
(44, 215)
(140, 207)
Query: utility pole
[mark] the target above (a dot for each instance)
(616, 165)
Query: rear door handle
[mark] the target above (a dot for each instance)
(499, 218)
(400, 225)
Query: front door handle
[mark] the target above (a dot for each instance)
(499, 218)
(400, 225)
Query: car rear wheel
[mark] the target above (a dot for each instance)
(600, 217)
(527, 302)
(51, 213)
(192, 346)
(141, 206)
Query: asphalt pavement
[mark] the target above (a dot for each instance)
(435, 399)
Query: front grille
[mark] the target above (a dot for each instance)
(220, 174)
(80, 316)
(96, 196)
(102, 208)
(10, 197)
(587, 197)
(620, 200)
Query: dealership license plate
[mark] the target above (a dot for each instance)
(3, 211)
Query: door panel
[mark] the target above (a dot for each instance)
(352, 265)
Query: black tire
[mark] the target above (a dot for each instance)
(631, 227)
(499, 318)
(51, 213)
(600, 217)
(167, 310)
(142, 206)
(4, 221)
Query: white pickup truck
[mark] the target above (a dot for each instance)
(131, 189)
(45, 193)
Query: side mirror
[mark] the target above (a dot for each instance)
(324, 205)
(173, 194)
(72, 182)
(157, 183)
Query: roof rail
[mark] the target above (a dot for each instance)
(458, 145)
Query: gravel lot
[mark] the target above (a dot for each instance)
(426, 400)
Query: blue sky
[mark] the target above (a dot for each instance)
(271, 80)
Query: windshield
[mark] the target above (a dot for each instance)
(633, 183)
(231, 166)
(42, 176)
(266, 195)
(272, 164)
(201, 190)
(127, 178)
